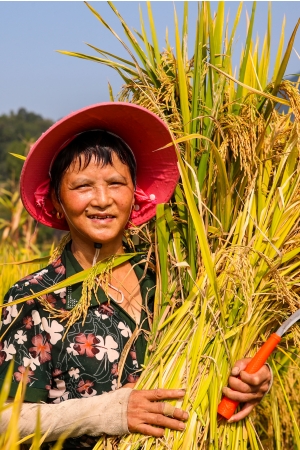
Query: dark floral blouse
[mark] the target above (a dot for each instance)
(86, 362)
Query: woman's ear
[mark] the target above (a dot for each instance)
(55, 201)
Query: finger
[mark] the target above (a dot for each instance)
(244, 412)
(148, 430)
(158, 408)
(241, 386)
(155, 395)
(240, 396)
(261, 376)
(240, 365)
(165, 422)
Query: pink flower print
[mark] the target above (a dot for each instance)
(30, 302)
(4, 313)
(2, 354)
(132, 353)
(57, 262)
(106, 309)
(56, 373)
(50, 299)
(85, 387)
(28, 322)
(132, 378)
(35, 278)
(86, 344)
(28, 277)
(20, 374)
(58, 267)
(115, 370)
(41, 348)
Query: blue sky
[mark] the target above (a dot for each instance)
(33, 75)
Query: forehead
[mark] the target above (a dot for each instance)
(82, 163)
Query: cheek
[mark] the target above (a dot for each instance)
(75, 201)
(124, 200)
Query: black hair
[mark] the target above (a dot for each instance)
(96, 143)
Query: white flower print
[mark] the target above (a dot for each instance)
(60, 394)
(114, 385)
(125, 330)
(32, 362)
(72, 350)
(74, 373)
(12, 312)
(54, 330)
(102, 316)
(107, 346)
(135, 363)
(61, 292)
(36, 318)
(9, 350)
(20, 337)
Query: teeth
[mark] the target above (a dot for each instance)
(101, 217)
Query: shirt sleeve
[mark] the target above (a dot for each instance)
(23, 339)
(106, 413)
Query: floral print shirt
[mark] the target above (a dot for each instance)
(84, 363)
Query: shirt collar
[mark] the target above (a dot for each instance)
(73, 292)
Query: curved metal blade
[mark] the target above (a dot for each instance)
(288, 323)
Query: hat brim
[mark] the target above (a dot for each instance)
(143, 131)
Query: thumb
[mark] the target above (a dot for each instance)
(240, 365)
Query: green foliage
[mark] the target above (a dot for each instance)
(16, 131)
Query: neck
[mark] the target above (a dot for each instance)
(84, 252)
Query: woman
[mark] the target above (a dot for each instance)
(95, 173)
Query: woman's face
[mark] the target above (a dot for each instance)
(97, 201)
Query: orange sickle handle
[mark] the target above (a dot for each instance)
(227, 407)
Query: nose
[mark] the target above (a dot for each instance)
(101, 197)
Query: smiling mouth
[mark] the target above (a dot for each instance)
(101, 217)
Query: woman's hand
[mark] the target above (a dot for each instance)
(145, 412)
(248, 388)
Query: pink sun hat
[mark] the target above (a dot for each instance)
(143, 131)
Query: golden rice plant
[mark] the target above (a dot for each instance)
(227, 246)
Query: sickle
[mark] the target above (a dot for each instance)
(227, 406)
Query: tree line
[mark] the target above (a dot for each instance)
(17, 132)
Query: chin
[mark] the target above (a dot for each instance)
(105, 239)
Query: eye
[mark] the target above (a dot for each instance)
(117, 183)
(82, 186)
